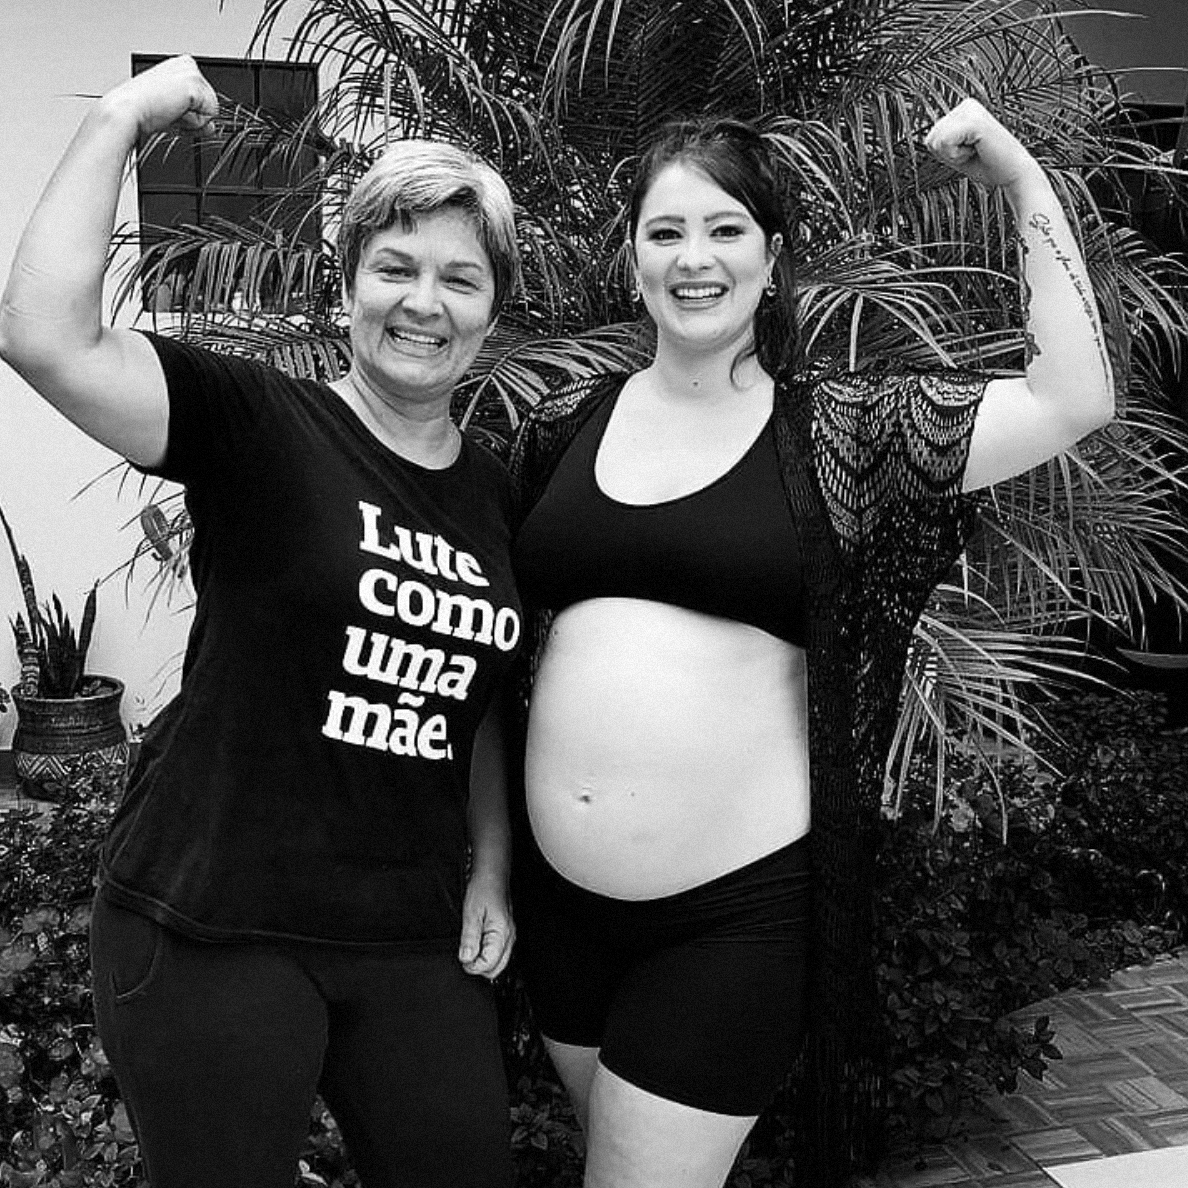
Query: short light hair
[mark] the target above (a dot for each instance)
(416, 177)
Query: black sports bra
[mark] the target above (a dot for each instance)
(728, 549)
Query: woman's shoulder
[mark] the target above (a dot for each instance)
(214, 367)
(888, 430)
(885, 398)
(550, 426)
(885, 380)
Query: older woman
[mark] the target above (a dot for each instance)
(285, 903)
(724, 561)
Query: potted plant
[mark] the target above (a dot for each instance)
(69, 735)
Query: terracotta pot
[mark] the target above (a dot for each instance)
(73, 744)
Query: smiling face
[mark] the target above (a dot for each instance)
(421, 306)
(702, 261)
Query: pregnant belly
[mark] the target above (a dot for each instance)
(665, 747)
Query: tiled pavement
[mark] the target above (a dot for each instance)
(1122, 1087)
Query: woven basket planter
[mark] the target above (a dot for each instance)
(73, 746)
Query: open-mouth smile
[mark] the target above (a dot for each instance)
(698, 294)
(417, 341)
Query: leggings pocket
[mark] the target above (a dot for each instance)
(133, 947)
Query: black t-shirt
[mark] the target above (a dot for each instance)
(354, 613)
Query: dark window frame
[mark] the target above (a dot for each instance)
(185, 181)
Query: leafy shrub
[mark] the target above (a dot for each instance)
(61, 1122)
(546, 1140)
(1093, 876)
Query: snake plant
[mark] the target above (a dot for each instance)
(52, 655)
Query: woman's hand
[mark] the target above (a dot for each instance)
(171, 93)
(488, 932)
(970, 140)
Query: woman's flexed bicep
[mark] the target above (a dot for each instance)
(114, 392)
(1068, 389)
(107, 382)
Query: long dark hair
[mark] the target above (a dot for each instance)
(732, 154)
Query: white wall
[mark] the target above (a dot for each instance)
(53, 55)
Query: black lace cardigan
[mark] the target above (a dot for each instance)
(872, 466)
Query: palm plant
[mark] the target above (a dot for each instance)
(895, 256)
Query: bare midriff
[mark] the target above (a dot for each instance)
(665, 747)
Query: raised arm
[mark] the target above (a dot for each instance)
(108, 382)
(1068, 388)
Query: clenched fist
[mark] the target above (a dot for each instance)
(171, 93)
(970, 140)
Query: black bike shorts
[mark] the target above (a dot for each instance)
(697, 997)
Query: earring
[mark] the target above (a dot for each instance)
(771, 285)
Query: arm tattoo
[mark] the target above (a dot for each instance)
(1042, 225)
(1031, 348)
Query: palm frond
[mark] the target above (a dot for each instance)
(897, 257)
(977, 684)
(224, 268)
(515, 370)
(1094, 532)
(423, 49)
(883, 294)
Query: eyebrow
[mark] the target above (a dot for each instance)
(709, 218)
(390, 253)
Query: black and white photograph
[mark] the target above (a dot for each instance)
(595, 594)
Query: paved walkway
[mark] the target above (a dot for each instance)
(1121, 1088)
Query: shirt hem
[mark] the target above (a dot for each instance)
(168, 917)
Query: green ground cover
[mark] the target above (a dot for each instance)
(1093, 877)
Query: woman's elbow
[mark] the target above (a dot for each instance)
(8, 347)
(43, 351)
(1094, 408)
(18, 347)
(21, 355)
(1105, 403)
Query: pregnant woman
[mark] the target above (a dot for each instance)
(723, 561)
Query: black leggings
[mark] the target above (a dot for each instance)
(219, 1049)
(696, 997)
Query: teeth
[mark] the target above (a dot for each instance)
(420, 339)
(693, 292)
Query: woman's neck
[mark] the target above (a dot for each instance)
(421, 432)
(679, 374)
